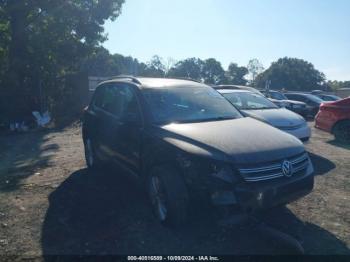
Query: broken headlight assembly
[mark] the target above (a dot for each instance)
(224, 172)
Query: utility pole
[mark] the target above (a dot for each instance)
(267, 85)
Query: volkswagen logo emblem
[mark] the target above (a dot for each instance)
(287, 168)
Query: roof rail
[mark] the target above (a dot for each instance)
(132, 78)
(224, 86)
(188, 79)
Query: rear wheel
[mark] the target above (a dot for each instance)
(168, 195)
(342, 132)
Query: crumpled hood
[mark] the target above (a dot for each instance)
(241, 141)
(279, 117)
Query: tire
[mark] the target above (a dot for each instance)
(342, 131)
(168, 195)
(92, 161)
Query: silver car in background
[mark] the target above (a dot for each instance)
(259, 107)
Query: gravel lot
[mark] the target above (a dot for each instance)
(49, 204)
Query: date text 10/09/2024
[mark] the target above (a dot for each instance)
(172, 258)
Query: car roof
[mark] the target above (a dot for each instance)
(228, 91)
(153, 82)
(233, 87)
(275, 91)
(167, 82)
(302, 94)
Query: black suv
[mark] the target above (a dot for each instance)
(187, 143)
(282, 101)
(312, 102)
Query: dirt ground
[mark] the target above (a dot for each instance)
(49, 204)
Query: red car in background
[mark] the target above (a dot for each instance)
(334, 117)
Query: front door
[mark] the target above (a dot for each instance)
(121, 127)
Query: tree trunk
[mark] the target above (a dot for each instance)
(17, 56)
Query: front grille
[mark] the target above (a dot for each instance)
(299, 165)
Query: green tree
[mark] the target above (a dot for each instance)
(100, 63)
(235, 74)
(4, 41)
(212, 72)
(254, 68)
(188, 68)
(292, 74)
(334, 85)
(155, 67)
(49, 38)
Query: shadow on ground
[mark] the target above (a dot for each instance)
(96, 213)
(321, 164)
(21, 155)
(339, 144)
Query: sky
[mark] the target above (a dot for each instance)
(236, 31)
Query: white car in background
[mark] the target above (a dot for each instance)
(254, 105)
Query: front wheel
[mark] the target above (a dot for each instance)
(168, 195)
(342, 132)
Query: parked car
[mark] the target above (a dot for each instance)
(328, 97)
(334, 117)
(185, 141)
(316, 92)
(312, 102)
(281, 100)
(259, 107)
(238, 87)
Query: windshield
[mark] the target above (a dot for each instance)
(314, 98)
(249, 101)
(277, 95)
(188, 104)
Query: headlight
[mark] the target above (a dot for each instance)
(224, 172)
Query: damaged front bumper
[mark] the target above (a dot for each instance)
(266, 194)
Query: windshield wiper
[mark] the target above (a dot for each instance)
(260, 108)
(218, 118)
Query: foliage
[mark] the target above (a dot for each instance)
(212, 72)
(291, 74)
(334, 85)
(188, 68)
(254, 68)
(235, 74)
(43, 40)
(208, 71)
(155, 67)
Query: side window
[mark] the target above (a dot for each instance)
(290, 96)
(120, 101)
(98, 96)
(295, 97)
(130, 107)
(303, 99)
(110, 100)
